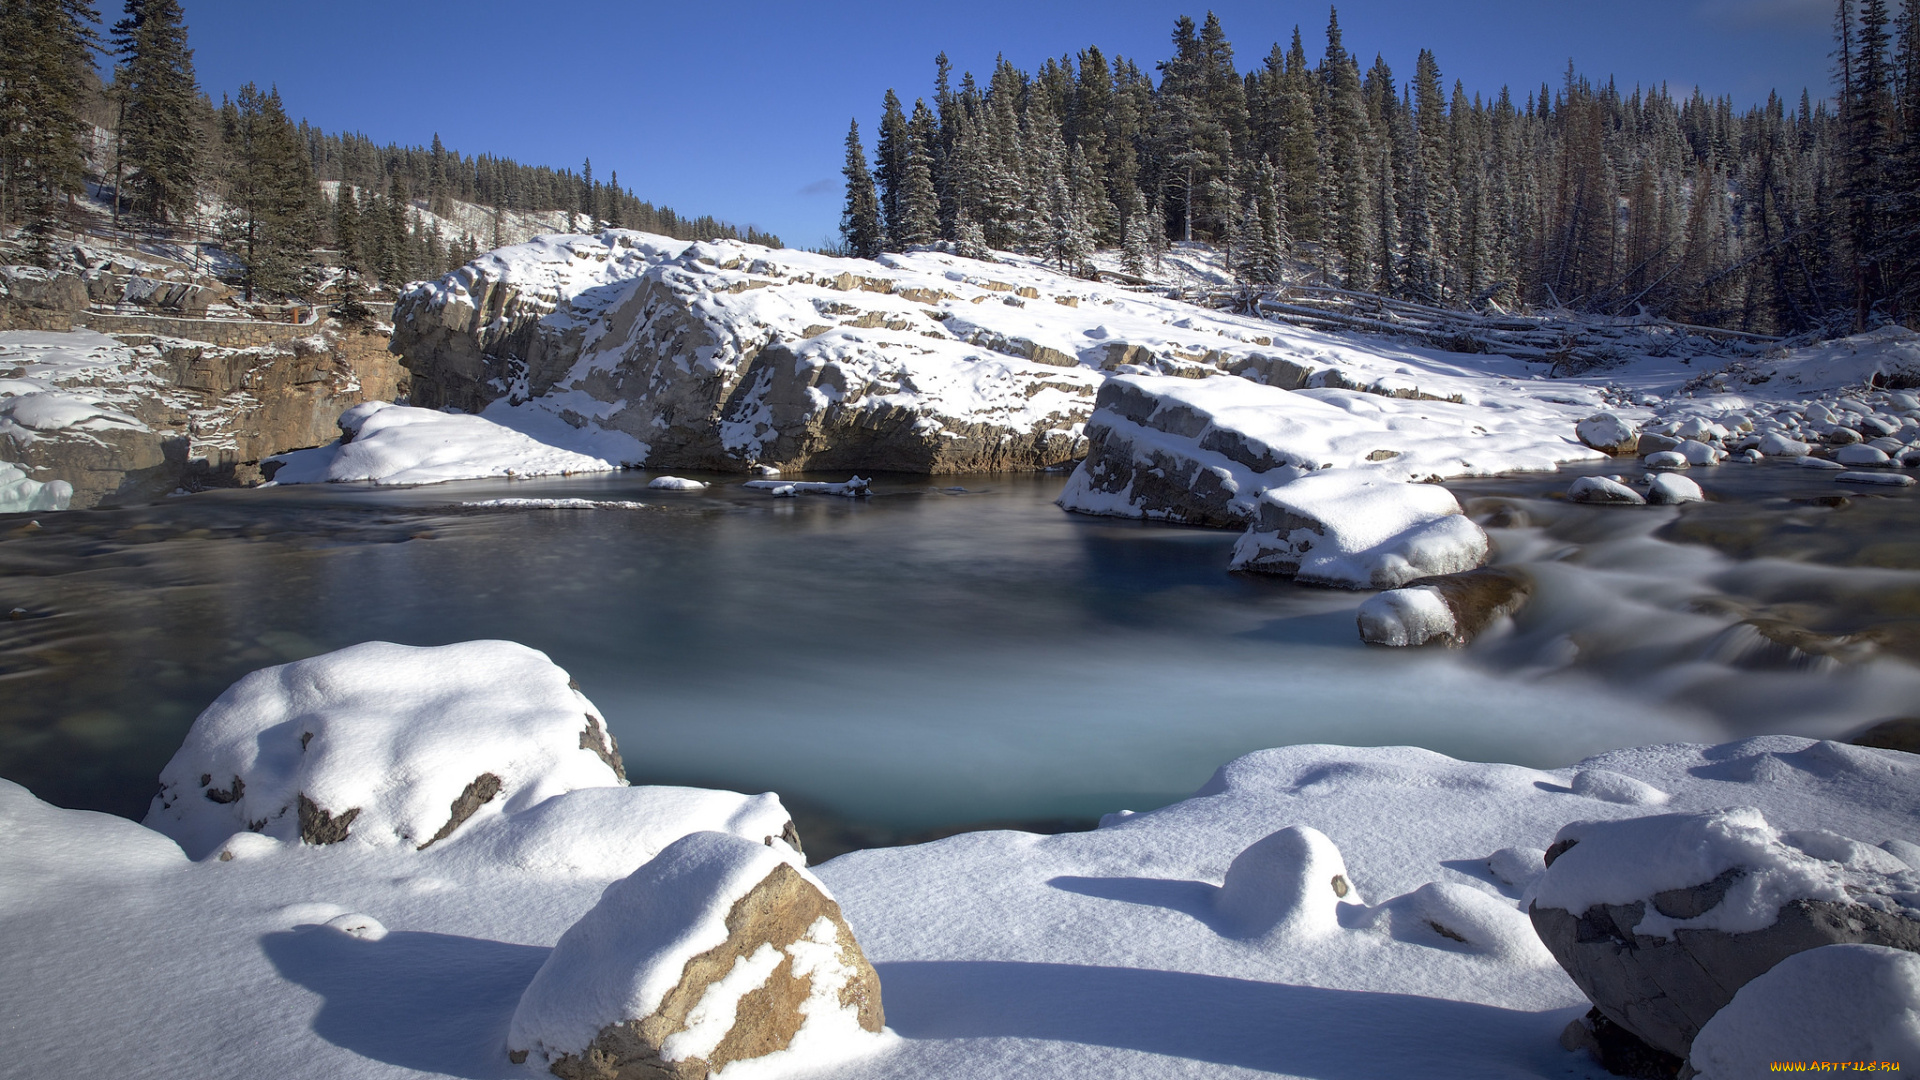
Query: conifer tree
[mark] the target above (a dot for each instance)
(891, 151)
(860, 228)
(346, 236)
(615, 197)
(270, 188)
(45, 64)
(919, 207)
(158, 139)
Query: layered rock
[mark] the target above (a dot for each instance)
(131, 418)
(1661, 920)
(724, 356)
(717, 951)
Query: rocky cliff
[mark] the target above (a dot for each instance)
(725, 355)
(133, 416)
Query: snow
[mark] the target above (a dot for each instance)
(1354, 529)
(333, 731)
(1837, 1004)
(20, 493)
(1667, 459)
(852, 488)
(36, 400)
(555, 504)
(399, 444)
(1401, 617)
(1606, 431)
(1204, 939)
(1621, 862)
(675, 483)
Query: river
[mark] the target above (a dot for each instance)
(956, 650)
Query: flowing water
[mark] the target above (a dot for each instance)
(956, 650)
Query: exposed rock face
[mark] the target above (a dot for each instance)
(725, 356)
(132, 418)
(1661, 965)
(36, 299)
(718, 950)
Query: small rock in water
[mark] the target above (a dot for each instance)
(1667, 459)
(1699, 453)
(1608, 434)
(1669, 489)
(1451, 609)
(1842, 436)
(1599, 489)
(1777, 445)
(1881, 479)
(1860, 454)
(675, 483)
(1820, 463)
(18, 613)
(1750, 455)
(1653, 443)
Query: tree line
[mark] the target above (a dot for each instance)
(159, 150)
(1786, 218)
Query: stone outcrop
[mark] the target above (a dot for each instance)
(727, 356)
(36, 299)
(719, 950)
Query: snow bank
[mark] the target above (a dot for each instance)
(1132, 951)
(20, 493)
(1356, 530)
(399, 444)
(382, 745)
(1837, 1005)
(1622, 862)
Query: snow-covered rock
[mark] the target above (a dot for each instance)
(1289, 885)
(1450, 610)
(1836, 1003)
(723, 355)
(1875, 479)
(1601, 490)
(1609, 434)
(1699, 453)
(382, 443)
(1359, 530)
(675, 483)
(1661, 919)
(1672, 489)
(1775, 444)
(718, 950)
(383, 745)
(1860, 455)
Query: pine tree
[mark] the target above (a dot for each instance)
(891, 152)
(615, 197)
(919, 208)
(270, 188)
(589, 205)
(860, 219)
(45, 64)
(158, 139)
(1347, 138)
(346, 236)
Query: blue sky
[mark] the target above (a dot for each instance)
(740, 109)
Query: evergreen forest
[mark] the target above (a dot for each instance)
(1800, 216)
(169, 161)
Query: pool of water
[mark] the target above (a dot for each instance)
(944, 652)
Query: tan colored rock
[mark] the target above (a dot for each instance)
(724, 949)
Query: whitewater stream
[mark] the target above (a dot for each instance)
(958, 650)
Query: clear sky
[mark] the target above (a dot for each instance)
(740, 109)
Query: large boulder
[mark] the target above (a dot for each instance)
(719, 950)
(1836, 1003)
(1357, 530)
(1661, 920)
(383, 745)
(1609, 434)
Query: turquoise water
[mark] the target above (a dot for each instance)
(944, 652)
